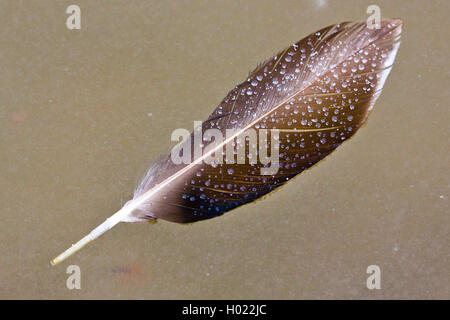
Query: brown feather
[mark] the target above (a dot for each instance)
(317, 92)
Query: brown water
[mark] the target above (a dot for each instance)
(84, 112)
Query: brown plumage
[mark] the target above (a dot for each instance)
(313, 95)
(317, 92)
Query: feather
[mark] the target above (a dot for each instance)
(302, 104)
